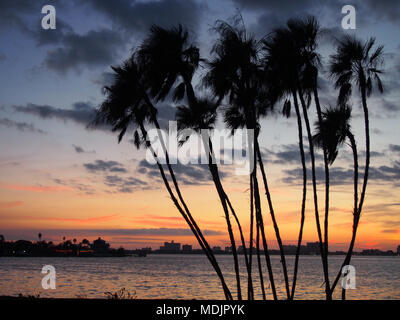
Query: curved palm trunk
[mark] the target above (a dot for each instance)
(250, 292)
(276, 228)
(356, 215)
(251, 124)
(212, 260)
(364, 187)
(324, 150)
(249, 280)
(367, 149)
(222, 197)
(262, 231)
(260, 272)
(303, 203)
(324, 253)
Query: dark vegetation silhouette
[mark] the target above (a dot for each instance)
(245, 80)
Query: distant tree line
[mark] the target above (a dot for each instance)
(43, 248)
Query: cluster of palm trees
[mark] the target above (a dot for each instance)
(246, 79)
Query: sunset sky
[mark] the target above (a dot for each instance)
(60, 178)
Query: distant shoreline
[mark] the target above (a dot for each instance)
(359, 254)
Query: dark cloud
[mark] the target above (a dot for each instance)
(394, 147)
(79, 149)
(390, 231)
(138, 16)
(74, 51)
(383, 10)
(81, 112)
(190, 174)
(390, 106)
(25, 16)
(272, 14)
(125, 185)
(105, 79)
(76, 185)
(95, 48)
(123, 232)
(105, 166)
(376, 154)
(156, 232)
(21, 126)
(288, 154)
(337, 175)
(342, 176)
(84, 113)
(275, 12)
(54, 36)
(12, 11)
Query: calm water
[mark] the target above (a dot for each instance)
(186, 277)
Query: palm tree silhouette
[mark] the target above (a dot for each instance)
(40, 236)
(128, 104)
(332, 132)
(355, 63)
(304, 34)
(170, 58)
(291, 63)
(234, 73)
(280, 74)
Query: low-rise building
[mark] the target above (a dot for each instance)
(171, 246)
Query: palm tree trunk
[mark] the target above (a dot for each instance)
(324, 253)
(189, 220)
(222, 197)
(261, 227)
(367, 148)
(251, 123)
(356, 214)
(250, 293)
(249, 280)
(176, 186)
(303, 205)
(276, 228)
(325, 152)
(260, 272)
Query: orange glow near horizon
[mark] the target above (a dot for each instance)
(57, 208)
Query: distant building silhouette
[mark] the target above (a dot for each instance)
(398, 250)
(171, 246)
(217, 249)
(187, 248)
